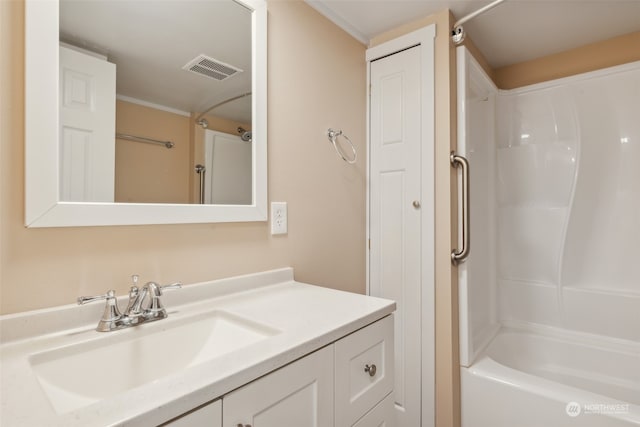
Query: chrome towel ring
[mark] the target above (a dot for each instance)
(333, 137)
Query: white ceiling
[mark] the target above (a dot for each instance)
(151, 40)
(512, 32)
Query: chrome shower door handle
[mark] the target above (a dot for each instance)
(463, 253)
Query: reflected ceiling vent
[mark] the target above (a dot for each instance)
(211, 68)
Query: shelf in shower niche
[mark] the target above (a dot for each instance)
(534, 151)
(518, 206)
(557, 143)
(599, 289)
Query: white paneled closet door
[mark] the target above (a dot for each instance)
(401, 216)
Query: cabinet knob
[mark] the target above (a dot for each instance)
(416, 204)
(370, 369)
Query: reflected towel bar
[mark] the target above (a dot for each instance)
(167, 144)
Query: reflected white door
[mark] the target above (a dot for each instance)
(87, 127)
(228, 160)
(395, 215)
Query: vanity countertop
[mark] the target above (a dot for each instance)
(301, 318)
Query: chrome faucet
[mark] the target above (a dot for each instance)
(134, 314)
(155, 310)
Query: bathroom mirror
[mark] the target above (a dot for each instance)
(47, 201)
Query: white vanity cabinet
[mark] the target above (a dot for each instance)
(348, 383)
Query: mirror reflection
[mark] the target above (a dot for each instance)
(155, 102)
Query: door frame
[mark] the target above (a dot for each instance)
(425, 38)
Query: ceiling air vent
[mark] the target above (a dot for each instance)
(211, 68)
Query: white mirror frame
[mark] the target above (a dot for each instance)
(43, 207)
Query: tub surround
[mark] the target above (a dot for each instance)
(553, 203)
(301, 318)
(549, 310)
(567, 203)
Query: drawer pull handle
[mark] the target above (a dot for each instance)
(370, 369)
(244, 425)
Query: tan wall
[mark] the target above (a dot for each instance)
(148, 173)
(447, 387)
(607, 53)
(326, 240)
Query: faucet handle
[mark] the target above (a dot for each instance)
(155, 309)
(176, 285)
(155, 290)
(84, 300)
(111, 317)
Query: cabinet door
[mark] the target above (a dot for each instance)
(209, 415)
(299, 394)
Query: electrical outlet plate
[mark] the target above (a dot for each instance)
(278, 218)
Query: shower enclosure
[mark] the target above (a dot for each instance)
(226, 176)
(549, 296)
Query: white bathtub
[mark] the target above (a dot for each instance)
(551, 378)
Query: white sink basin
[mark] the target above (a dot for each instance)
(78, 375)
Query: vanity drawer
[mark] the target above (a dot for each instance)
(383, 415)
(209, 415)
(363, 370)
